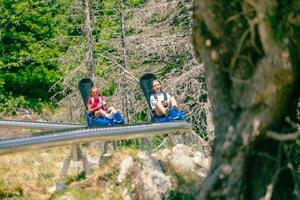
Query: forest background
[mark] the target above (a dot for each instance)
(47, 46)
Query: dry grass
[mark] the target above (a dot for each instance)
(30, 175)
(101, 184)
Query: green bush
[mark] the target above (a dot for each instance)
(135, 3)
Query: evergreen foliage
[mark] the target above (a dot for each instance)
(30, 48)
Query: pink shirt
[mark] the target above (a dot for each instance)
(97, 102)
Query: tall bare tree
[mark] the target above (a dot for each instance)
(89, 36)
(124, 87)
(78, 60)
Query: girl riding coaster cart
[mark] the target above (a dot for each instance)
(164, 107)
(99, 114)
(97, 105)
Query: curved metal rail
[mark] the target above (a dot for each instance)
(36, 125)
(75, 136)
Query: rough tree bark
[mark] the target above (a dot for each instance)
(123, 42)
(89, 36)
(124, 85)
(253, 81)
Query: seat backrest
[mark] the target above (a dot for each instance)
(146, 85)
(85, 85)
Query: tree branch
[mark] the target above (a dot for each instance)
(283, 137)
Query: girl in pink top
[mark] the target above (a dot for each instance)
(97, 105)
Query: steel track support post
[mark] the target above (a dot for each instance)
(75, 155)
(65, 166)
(145, 144)
(188, 138)
(171, 140)
(105, 155)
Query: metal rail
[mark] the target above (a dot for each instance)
(36, 125)
(82, 135)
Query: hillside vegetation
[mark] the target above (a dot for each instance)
(48, 47)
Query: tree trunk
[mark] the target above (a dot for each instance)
(123, 43)
(89, 37)
(126, 92)
(252, 79)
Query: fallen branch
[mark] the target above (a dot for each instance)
(283, 137)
